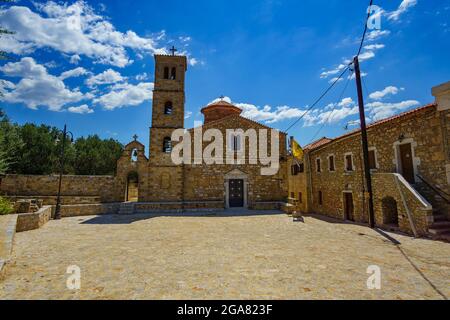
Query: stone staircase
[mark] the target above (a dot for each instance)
(126, 208)
(440, 229)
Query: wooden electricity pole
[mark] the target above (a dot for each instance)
(365, 143)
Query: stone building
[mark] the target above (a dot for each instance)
(166, 185)
(409, 159)
(157, 183)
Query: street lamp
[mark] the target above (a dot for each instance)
(61, 171)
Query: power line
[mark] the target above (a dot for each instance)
(318, 100)
(365, 29)
(338, 78)
(334, 108)
(372, 107)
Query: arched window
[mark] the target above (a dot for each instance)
(166, 73)
(173, 74)
(167, 145)
(168, 108)
(235, 142)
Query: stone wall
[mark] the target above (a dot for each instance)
(298, 185)
(178, 206)
(422, 128)
(104, 187)
(65, 200)
(32, 221)
(89, 209)
(208, 182)
(411, 206)
(127, 165)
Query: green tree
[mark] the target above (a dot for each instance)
(38, 154)
(34, 149)
(10, 143)
(95, 156)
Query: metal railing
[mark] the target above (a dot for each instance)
(441, 193)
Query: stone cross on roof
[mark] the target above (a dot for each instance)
(135, 137)
(173, 50)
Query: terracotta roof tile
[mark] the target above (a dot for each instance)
(233, 116)
(317, 143)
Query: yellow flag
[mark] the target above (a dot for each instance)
(297, 151)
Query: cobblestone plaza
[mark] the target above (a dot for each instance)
(264, 256)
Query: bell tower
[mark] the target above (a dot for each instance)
(167, 116)
(168, 105)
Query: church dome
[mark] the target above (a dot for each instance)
(218, 110)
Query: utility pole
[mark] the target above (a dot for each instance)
(365, 143)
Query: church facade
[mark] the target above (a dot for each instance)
(160, 183)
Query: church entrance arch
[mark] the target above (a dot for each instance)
(132, 194)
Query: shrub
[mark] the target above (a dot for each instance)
(5, 206)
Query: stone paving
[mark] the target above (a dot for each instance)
(235, 257)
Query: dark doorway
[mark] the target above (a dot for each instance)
(406, 162)
(132, 187)
(390, 211)
(349, 207)
(236, 193)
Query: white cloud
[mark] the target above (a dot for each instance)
(193, 61)
(376, 34)
(332, 72)
(374, 46)
(378, 95)
(75, 59)
(405, 5)
(26, 68)
(185, 39)
(368, 54)
(188, 114)
(71, 29)
(346, 102)
(77, 72)
(353, 75)
(226, 99)
(83, 109)
(107, 77)
(335, 79)
(382, 110)
(142, 77)
(37, 87)
(266, 113)
(332, 113)
(123, 95)
(269, 115)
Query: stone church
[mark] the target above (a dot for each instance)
(157, 183)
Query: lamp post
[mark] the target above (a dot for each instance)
(61, 171)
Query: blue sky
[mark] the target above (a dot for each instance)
(90, 64)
